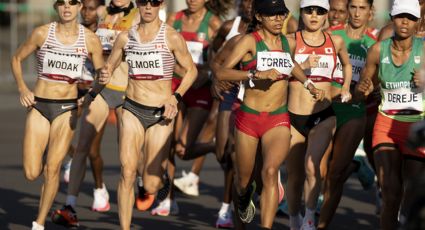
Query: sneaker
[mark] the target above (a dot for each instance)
(365, 174)
(65, 216)
(144, 200)
(224, 220)
(67, 170)
(187, 185)
(280, 187)
(246, 207)
(283, 208)
(295, 222)
(319, 204)
(166, 208)
(36, 226)
(101, 200)
(309, 225)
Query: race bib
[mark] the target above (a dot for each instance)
(146, 64)
(402, 99)
(107, 37)
(66, 65)
(338, 73)
(325, 66)
(280, 61)
(195, 50)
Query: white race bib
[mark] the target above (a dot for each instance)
(68, 65)
(107, 37)
(358, 65)
(402, 99)
(338, 73)
(325, 66)
(146, 64)
(195, 50)
(280, 61)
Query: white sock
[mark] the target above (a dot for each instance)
(36, 226)
(309, 216)
(140, 181)
(193, 176)
(166, 202)
(295, 221)
(71, 200)
(224, 207)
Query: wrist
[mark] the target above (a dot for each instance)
(251, 74)
(92, 94)
(178, 97)
(308, 84)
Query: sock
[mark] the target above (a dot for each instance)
(167, 203)
(36, 226)
(309, 216)
(224, 207)
(294, 221)
(139, 181)
(71, 200)
(192, 176)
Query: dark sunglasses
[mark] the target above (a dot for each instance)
(70, 2)
(319, 10)
(154, 3)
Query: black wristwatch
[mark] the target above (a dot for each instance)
(178, 97)
(92, 94)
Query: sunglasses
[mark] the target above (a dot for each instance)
(70, 2)
(319, 10)
(154, 3)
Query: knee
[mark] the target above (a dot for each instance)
(32, 173)
(152, 184)
(128, 175)
(391, 193)
(269, 175)
(334, 176)
(94, 155)
(311, 170)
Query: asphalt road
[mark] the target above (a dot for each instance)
(19, 198)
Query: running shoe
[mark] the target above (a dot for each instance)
(319, 204)
(144, 200)
(166, 208)
(365, 174)
(224, 220)
(67, 170)
(36, 226)
(187, 185)
(66, 217)
(246, 207)
(280, 187)
(309, 225)
(101, 200)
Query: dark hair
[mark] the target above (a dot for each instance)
(368, 1)
(219, 7)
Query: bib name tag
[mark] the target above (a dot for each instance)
(280, 61)
(338, 74)
(357, 69)
(195, 50)
(402, 99)
(68, 65)
(107, 37)
(148, 64)
(325, 66)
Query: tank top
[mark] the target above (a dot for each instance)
(265, 59)
(401, 100)
(327, 62)
(149, 61)
(234, 31)
(108, 31)
(357, 51)
(61, 63)
(197, 42)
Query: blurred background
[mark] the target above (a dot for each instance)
(19, 17)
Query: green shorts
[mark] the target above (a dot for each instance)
(348, 111)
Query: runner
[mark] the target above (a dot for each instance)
(313, 123)
(397, 61)
(266, 88)
(62, 48)
(350, 116)
(119, 16)
(151, 51)
(338, 12)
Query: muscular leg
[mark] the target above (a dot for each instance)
(61, 133)
(275, 147)
(96, 161)
(367, 141)
(246, 150)
(345, 144)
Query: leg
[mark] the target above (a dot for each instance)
(388, 163)
(132, 136)
(62, 131)
(275, 147)
(345, 144)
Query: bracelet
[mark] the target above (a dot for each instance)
(92, 94)
(308, 82)
(251, 76)
(178, 97)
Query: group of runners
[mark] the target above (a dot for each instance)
(260, 91)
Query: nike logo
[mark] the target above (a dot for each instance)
(317, 121)
(67, 106)
(157, 115)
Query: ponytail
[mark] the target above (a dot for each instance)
(219, 7)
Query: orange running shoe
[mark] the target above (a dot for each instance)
(66, 217)
(144, 200)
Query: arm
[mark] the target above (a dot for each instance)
(35, 41)
(386, 32)
(221, 35)
(115, 58)
(368, 76)
(347, 68)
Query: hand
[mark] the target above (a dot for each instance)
(318, 94)
(271, 74)
(311, 62)
(104, 75)
(365, 86)
(218, 87)
(27, 98)
(85, 101)
(170, 108)
(419, 78)
(345, 95)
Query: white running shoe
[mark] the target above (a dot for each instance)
(224, 220)
(67, 170)
(309, 225)
(165, 208)
(101, 200)
(36, 226)
(187, 185)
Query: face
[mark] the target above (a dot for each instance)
(313, 17)
(195, 5)
(121, 3)
(359, 13)
(273, 23)
(88, 12)
(149, 9)
(68, 9)
(405, 25)
(338, 12)
(245, 8)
